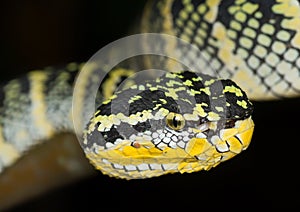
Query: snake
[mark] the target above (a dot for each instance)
(182, 121)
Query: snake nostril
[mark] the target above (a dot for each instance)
(136, 144)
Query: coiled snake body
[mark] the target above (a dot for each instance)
(172, 124)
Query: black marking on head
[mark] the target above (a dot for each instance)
(105, 109)
(112, 135)
(197, 85)
(235, 111)
(142, 126)
(149, 99)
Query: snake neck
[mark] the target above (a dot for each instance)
(33, 108)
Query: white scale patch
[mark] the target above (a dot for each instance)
(200, 135)
(143, 167)
(174, 138)
(155, 166)
(166, 140)
(181, 144)
(172, 144)
(155, 135)
(130, 167)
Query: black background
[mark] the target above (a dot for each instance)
(36, 33)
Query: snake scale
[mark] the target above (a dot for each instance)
(254, 43)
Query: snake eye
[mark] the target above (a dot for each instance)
(175, 121)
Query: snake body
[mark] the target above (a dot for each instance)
(172, 124)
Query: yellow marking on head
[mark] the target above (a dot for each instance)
(193, 92)
(197, 146)
(219, 109)
(153, 88)
(191, 117)
(228, 133)
(164, 111)
(113, 96)
(106, 101)
(242, 103)
(134, 98)
(188, 83)
(246, 130)
(104, 123)
(233, 89)
(39, 108)
(209, 82)
(212, 116)
(115, 119)
(234, 145)
(157, 106)
(206, 90)
(171, 75)
(172, 92)
(141, 152)
(198, 109)
(196, 79)
(125, 154)
(163, 101)
(141, 87)
(171, 83)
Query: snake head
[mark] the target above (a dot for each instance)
(181, 122)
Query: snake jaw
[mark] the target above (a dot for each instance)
(143, 158)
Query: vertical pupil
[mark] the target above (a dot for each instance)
(175, 122)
